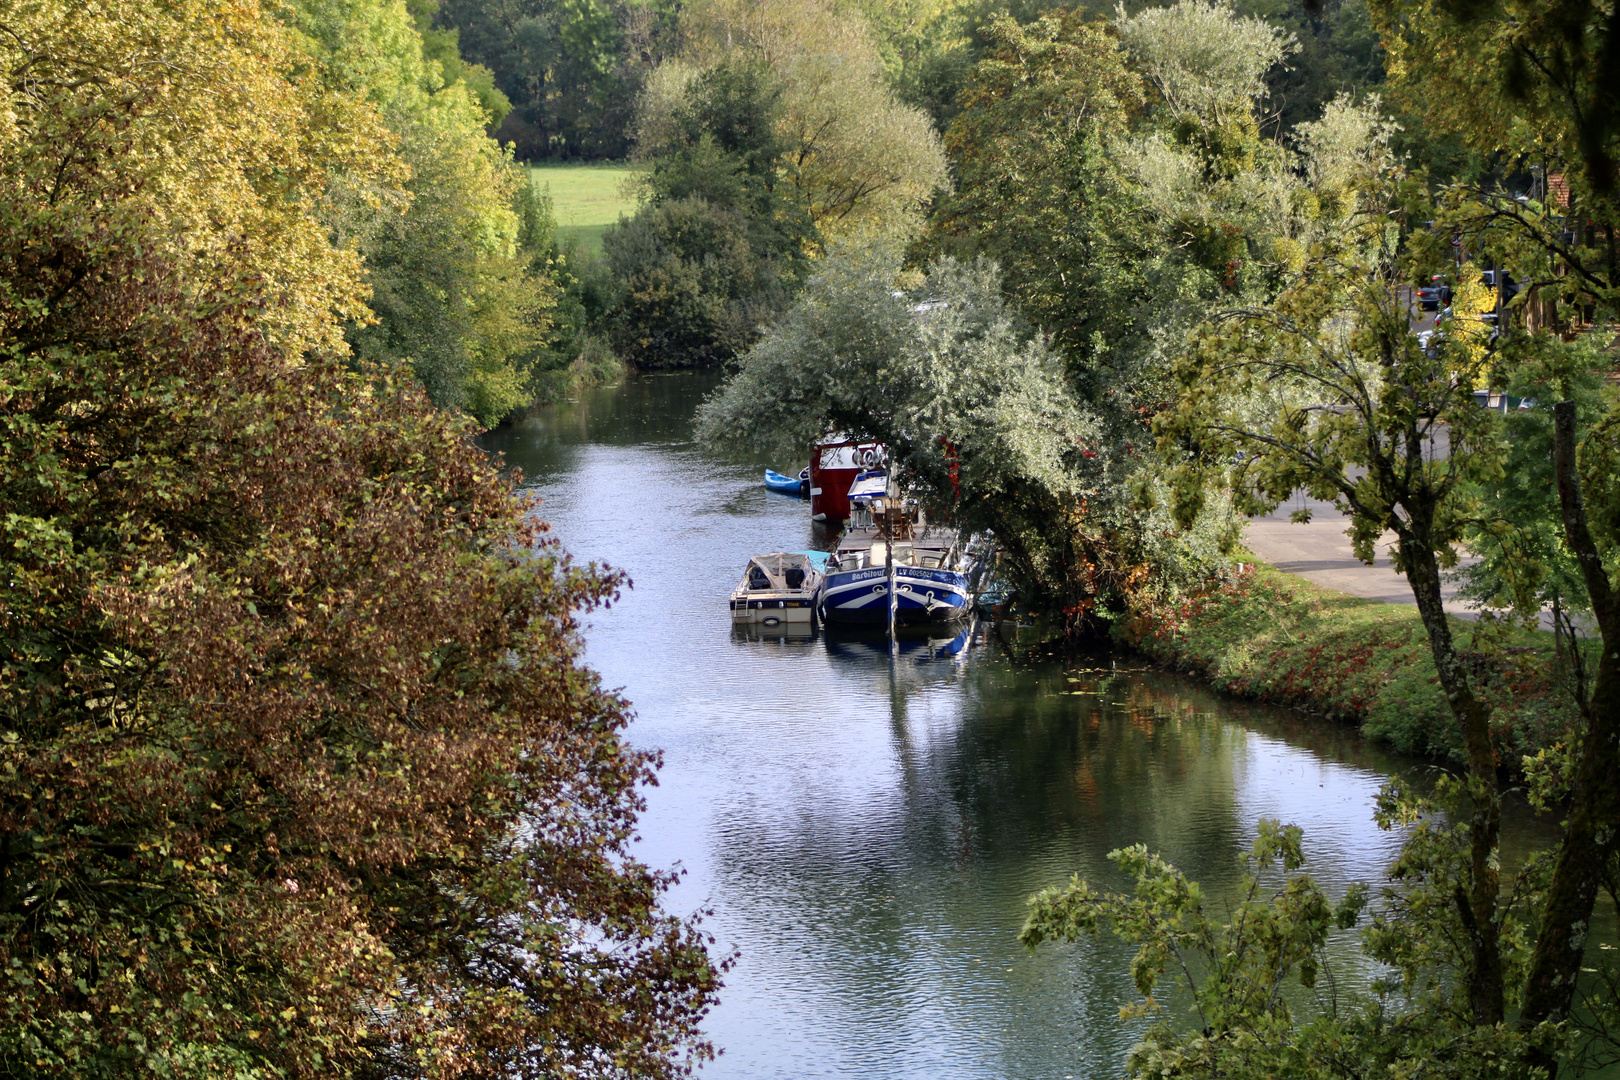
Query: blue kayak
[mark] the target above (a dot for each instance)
(787, 485)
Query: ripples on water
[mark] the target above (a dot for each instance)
(867, 831)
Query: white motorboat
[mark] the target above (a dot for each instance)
(779, 588)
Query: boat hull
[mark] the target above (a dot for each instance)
(770, 611)
(787, 485)
(860, 597)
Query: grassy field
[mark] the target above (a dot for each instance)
(586, 198)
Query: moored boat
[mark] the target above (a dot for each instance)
(835, 462)
(787, 485)
(932, 572)
(778, 588)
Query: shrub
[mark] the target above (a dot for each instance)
(694, 288)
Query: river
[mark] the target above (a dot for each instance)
(866, 830)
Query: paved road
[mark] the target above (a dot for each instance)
(1319, 551)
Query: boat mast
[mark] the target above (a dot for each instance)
(888, 552)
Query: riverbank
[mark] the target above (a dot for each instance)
(1270, 636)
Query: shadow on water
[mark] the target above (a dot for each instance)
(867, 823)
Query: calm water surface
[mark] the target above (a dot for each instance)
(866, 831)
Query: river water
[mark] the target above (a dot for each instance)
(864, 829)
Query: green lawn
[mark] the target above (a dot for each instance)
(586, 198)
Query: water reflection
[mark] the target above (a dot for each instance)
(913, 645)
(867, 823)
(773, 633)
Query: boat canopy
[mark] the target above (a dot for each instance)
(780, 570)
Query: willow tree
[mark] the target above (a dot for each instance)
(980, 420)
(300, 774)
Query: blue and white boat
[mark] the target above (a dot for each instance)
(934, 577)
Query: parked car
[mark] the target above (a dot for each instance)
(1435, 295)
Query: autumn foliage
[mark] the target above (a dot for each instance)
(300, 773)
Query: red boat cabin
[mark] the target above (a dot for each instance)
(834, 465)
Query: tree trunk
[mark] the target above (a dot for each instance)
(1594, 811)
(1477, 907)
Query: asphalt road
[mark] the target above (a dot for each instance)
(1319, 551)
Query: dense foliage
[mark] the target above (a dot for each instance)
(718, 247)
(1533, 86)
(1273, 636)
(571, 69)
(1116, 174)
(563, 76)
(1037, 188)
(456, 296)
(852, 157)
(1119, 173)
(300, 775)
(852, 92)
(771, 134)
(1324, 387)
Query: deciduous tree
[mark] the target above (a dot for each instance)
(979, 420)
(1117, 171)
(852, 156)
(1534, 85)
(300, 774)
(1038, 189)
(1327, 391)
(572, 69)
(720, 245)
(455, 297)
